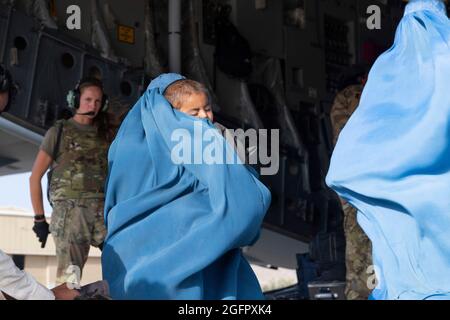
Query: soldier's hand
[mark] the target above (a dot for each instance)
(62, 292)
(41, 229)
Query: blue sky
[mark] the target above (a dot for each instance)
(14, 192)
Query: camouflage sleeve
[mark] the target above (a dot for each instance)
(49, 142)
(339, 115)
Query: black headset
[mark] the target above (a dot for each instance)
(73, 96)
(6, 85)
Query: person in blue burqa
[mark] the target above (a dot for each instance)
(392, 159)
(176, 228)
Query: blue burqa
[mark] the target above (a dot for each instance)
(175, 230)
(392, 159)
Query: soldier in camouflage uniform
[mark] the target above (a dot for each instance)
(358, 251)
(79, 168)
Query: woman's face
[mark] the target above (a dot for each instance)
(90, 100)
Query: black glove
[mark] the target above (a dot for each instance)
(41, 230)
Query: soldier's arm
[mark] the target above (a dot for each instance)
(339, 117)
(41, 164)
(338, 114)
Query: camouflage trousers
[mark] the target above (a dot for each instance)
(76, 224)
(358, 257)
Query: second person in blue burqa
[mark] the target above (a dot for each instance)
(175, 231)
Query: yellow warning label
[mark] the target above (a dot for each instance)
(125, 34)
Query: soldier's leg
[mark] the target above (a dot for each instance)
(358, 256)
(70, 256)
(73, 241)
(61, 210)
(87, 227)
(63, 260)
(98, 229)
(79, 253)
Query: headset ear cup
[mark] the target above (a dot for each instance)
(3, 84)
(105, 103)
(70, 98)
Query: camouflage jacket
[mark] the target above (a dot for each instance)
(82, 166)
(344, 105)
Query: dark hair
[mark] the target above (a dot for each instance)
(90, 82)
(102, 123)
(352, 75)
(177, 91)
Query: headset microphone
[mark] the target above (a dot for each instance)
(92, 113)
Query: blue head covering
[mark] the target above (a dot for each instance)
(175, 231)
(392, 159)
